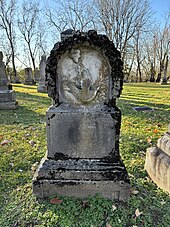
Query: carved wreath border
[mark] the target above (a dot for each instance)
(95, 40)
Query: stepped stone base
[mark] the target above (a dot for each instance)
(8, 100)
(30, 82)
(158, 162)
(81, 178)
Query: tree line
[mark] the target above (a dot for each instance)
(29, 29)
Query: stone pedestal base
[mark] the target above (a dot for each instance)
(42, 88)
(158, 162)
(158, 167)
(81, 178)
(8, 100)
(32, 82)
(83, 154)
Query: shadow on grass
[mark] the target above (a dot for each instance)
(146, 85)
(161, 111)
(28, 111)
(35, 97)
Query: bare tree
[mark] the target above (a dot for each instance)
(162, 42)
(73, 14)
(121, 20)
(7, 19)
(28, 26)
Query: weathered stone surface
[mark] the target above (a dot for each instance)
(84, 77)
(82, 133)
(77, 47)
(109, 189)
(29, 77)
(78, 169)
(7, 95)
(8, 100)
(80, 178)
(37, 75)
(164, 143)
(158, 167)
(158, 162)
(41, 85)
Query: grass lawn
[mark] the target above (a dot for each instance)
(25, 132)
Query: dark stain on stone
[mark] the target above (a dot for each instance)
(52, 116)
(73, 133)
(61, 156)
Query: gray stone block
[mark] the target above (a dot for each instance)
(82, 189)
(164, 143)
(81, 134)
(8, 100)
(157, 165)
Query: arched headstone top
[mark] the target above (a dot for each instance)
(84, 69)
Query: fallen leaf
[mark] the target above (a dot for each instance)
(155, 130)
(56, 201)
(138, 213)
(114, 207)
(34, 166)
(1, 136)
(5, 142)
(108, 225)
(149, 140)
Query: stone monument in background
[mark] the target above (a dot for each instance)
(36, 75)
(7, 95)
(41, 86)
(29, 77)
(84, 78)
(157, 162)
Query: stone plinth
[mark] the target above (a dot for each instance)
(7, 95)
(8, 100)
(158, 162)
(84, 77)
(29, 77)
(36, 75)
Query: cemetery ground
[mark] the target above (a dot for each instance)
(23, 144)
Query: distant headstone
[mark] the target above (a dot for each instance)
(7, 95)
(29, 77)
(157, 162)
(164, 79)
(37, 75)
(41, 86)
(84, 78)
(143, 108)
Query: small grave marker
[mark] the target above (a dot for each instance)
(143, 108)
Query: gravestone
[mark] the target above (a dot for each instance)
(7, 95)
(41, 86)
(37, 75)
(157, 162)
(29, 77)
(84, 78)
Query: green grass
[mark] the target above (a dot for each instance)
(140, 130)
